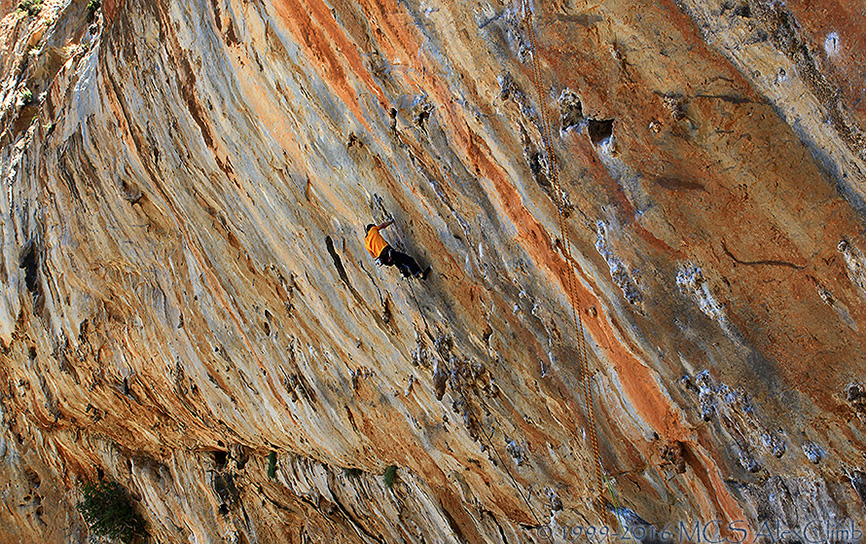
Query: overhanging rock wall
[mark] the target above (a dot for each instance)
(185, 186)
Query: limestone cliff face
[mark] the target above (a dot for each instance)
(185, 186)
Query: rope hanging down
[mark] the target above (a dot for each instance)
(566, 245)
(577, 321)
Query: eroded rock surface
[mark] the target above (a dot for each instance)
(185, 186)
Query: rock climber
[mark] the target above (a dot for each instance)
(380, 250)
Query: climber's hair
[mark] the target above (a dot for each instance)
(367, 228)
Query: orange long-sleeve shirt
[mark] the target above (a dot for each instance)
(374, 243)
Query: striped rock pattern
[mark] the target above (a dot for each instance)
(185, 186)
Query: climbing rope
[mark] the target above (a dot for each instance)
(400, 243)
(571, 280)
(417, 305)
(487, 438)
(481, 431)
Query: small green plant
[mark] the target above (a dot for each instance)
(390, 476)
(92, 7)
(352, 472)
(32, 7)
(107, 509)
(26, 96)
(272, 465)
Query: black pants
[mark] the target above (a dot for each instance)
(406, 264)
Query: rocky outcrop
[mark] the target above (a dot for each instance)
(185, 187)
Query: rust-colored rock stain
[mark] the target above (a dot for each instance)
(185, 190)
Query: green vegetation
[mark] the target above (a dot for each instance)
(107, 509)
(272, 465)
(390, 476)
(92, 6)
(352, 472)
(26, 96)
(32, 7)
